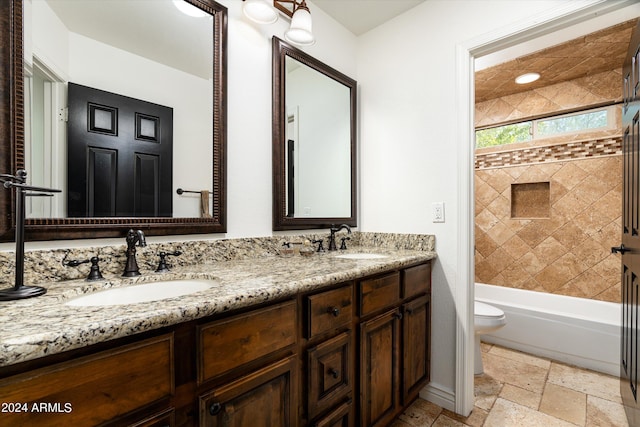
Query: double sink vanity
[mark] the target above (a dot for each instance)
(338, 338)
(235, 333)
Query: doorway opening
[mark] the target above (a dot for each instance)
(545, 28)
(45, 128)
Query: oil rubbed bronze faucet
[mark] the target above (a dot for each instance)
(332, 236)
(133, 238)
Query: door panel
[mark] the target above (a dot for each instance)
(380, 373)
(630, 248)
(102, 181)
(119, 155)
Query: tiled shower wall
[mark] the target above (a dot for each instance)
(565, 246)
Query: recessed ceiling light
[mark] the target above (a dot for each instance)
(527, 78)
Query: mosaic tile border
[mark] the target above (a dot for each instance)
(553, 153)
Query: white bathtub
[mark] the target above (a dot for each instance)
(573, 330)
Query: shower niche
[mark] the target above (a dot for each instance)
(531, 200)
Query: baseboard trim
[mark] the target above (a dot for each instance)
(439, 395)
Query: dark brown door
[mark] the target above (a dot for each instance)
(630, 248)
(119, 155)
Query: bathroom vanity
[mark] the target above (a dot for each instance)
(277, 341)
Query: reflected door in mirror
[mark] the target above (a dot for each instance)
(119, 155)
(144, 49)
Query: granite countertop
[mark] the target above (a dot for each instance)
(44, 325)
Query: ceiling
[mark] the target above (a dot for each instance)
(155, 30)
(360, 16)
(594, 53)
(591, 54)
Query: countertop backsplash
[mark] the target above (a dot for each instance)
(46, 265)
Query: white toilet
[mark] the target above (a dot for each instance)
(486, 319)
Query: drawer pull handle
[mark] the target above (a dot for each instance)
(334, 373)
(334, 310)
(215, 408)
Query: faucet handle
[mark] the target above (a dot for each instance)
(343, 245)
(94, 273)
(319, 243)
(72, 262)
(162, 265)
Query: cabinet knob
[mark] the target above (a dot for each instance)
(334, 310)
(409, 311)
(334, 373)
(397, 315)
(215, 408)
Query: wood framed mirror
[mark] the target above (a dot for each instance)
(16, 44)
(314, 142)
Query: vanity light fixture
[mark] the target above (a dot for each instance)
(265, 12)
(527, 78)
(188, 9)
(260, 11)
(300, 32)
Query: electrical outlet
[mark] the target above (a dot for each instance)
(437, 210)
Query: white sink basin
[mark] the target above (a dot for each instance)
(146, 292)
(362, 256)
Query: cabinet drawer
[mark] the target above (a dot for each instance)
(328, 310)
(330, 373)
(230, 343)
(93, 389)
(416, 280)
(379, 293)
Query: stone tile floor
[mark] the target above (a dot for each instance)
(518, 389)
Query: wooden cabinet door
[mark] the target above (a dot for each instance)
(342, 416)
(264, 398)
(379, 369)
(416, 332)
(329, 373)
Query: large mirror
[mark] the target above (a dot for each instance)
(314, 142)
(141, 90)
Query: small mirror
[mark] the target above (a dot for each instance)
(314, 146)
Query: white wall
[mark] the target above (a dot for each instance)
(408, 146)
(249, 185)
